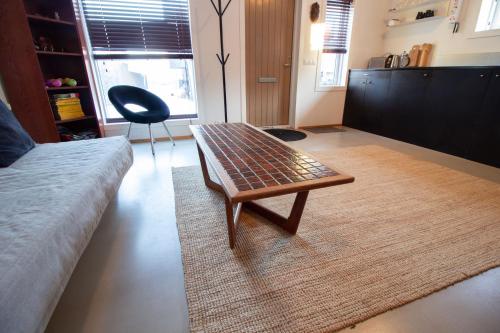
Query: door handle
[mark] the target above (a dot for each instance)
(287, 65)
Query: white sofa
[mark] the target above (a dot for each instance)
(51, 201)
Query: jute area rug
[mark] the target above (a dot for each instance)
(404, 229)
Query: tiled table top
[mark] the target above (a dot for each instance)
(254, 160)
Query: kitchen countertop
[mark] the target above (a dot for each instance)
(425, 68)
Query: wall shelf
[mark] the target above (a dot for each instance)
(58, 122)
(38, 18)
(424, 3)
(427, 19)
(51, 53)
(66, 88)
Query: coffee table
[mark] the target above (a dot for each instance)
(251, 164)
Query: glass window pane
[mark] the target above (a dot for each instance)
(496, 18)
(332, 69)
(170, 79)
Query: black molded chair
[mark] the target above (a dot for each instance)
(156, 109)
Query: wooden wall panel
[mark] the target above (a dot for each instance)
(269, 41)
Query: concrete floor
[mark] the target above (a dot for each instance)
(130, 278)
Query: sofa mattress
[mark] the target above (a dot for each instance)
(51, 201)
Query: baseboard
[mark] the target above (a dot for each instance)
(318, 126)
(181, 137)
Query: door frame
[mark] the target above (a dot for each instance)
(295, 64)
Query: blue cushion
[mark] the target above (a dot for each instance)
(14, 141)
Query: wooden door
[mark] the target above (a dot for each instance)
(269, 41)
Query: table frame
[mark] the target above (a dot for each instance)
(245, 200)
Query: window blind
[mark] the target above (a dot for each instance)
(337, 25)
(124, 28)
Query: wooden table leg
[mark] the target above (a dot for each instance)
(232, 220)
(206, 176)
(231, 217)
(291, 223)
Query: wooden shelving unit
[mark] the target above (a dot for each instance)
(26, 67)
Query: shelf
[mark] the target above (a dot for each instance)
(67, 54)
(425, 3)
(38, 18)
(58, 122)
(66, 88)
(427, 19)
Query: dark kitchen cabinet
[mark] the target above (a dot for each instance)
(354, 102)
(366, 100)
(455, 110)
(485, 143)
(405, 117)
(453, 100)
(376, 89)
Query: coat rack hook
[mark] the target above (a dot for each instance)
(227, 5)
(215, 7)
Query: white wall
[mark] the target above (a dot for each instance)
(205, 38)
(462, 48)
(326, 107)
(205, 42)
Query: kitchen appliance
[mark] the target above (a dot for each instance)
(392, 61)
(388, 61)
(404, 59)
(395, 61)
(377, 62)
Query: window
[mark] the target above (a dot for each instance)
(144, 43)
(333, 58)
(489, 16)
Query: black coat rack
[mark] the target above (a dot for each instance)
(222, 58)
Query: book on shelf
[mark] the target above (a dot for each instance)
(66, 106)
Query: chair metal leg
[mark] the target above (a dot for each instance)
(168, 132)
(128, 133)
(151, 139)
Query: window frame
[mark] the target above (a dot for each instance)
(489, 11)
(104, 94)
(341, 66)
(93, 57)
